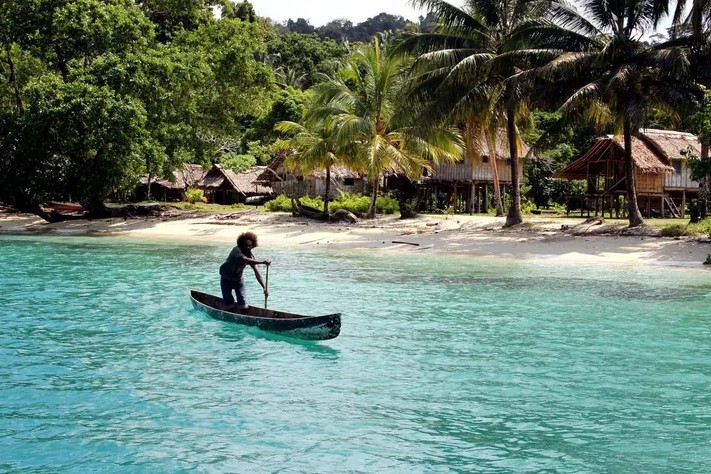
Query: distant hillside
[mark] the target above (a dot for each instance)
(345, 30)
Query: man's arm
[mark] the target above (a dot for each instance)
(259, 279)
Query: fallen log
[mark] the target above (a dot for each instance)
(301, 210)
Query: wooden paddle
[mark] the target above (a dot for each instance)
(266, 288)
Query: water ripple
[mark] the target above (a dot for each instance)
(442, 365)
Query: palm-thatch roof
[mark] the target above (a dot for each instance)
(647, 158)
(672, 145)
(502, 152)
(245, 183)
(276, 167)
(186, 177)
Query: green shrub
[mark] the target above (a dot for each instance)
(355, 203)
(387, 204)
(282, 203)
(315, 202)
(194, 196)
(359, 204)
(279, 204)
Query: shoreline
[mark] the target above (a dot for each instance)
(561, 240)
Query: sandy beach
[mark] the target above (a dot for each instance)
(564, 240)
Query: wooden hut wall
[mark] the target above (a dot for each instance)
(651, 183)
(681, 178)
(469, 170)
(316, 187)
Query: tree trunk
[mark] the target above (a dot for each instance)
(328, 189)
(635, 217)
(374, 198)
(495, 175)
(13, 76)
(703, 208)
(514, 216)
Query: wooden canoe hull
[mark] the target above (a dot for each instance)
(273, 321)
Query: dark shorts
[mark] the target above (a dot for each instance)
(227, 285)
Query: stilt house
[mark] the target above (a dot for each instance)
(289, 183)
(466, 185)
(662, 176)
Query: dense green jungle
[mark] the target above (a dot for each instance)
(97, 93)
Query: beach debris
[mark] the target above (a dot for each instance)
(403, 242)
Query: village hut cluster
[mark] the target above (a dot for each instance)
(660, 157)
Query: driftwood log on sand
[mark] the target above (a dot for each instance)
(298, 209)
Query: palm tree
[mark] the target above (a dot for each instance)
(471, 67)
(372, 124)
(616, 77)
(697, 25)
(312, 147)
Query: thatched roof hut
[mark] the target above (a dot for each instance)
(224, 186)
(174, 187)
(290, 183)
(661, 174)
(611, 148)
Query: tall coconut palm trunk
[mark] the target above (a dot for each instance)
(328, 190)
(635, 217)
(704, 186)
(514, 216)
(374, 198)
(498, 202)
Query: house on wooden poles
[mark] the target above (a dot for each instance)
(662, 176)
(224, 186)
(171, 189)
(466, 185)
(292, 184)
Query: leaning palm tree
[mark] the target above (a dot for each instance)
(371, 123)
(471, 65)
(616, 77)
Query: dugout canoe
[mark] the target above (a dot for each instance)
(270, 320)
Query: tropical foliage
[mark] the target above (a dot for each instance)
(613, 77)
(470, 68)
(369, 126)
(96, 93)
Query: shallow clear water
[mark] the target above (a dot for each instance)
(443, 364)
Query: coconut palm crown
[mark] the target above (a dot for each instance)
(470, 69)
(616, 77)
(372, 123)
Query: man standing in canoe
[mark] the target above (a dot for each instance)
(231, 271)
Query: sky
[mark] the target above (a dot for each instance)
(320, 12)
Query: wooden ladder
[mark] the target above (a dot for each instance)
(672, 207)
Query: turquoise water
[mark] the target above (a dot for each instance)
(443, 364)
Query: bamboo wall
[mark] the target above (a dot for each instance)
(315, 187)
(470, 170)
(649, 182)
